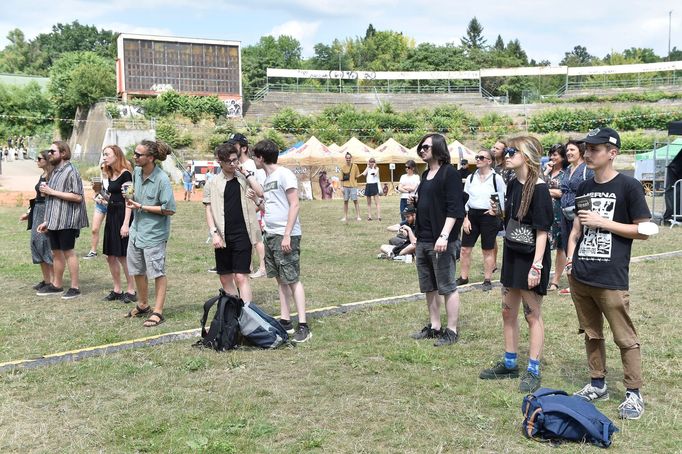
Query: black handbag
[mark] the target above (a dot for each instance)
(519, 237)
(31, 205)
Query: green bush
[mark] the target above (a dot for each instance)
(288, 120)
(167, 132)
(636, 117)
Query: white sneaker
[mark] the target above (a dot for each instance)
(632, 407)
(592, 393)
(257, 274)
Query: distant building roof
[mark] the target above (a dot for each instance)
(23, 80)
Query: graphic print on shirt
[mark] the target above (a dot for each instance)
(597, 244)
(270, 186)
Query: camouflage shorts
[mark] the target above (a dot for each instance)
(278, 264)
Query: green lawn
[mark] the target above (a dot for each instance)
(361, 385)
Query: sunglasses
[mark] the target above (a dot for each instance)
(137, 155)
(510, 151)
(424, 147)
(234, 162)
(40, 158)
(481, 158)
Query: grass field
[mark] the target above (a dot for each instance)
(361, 385)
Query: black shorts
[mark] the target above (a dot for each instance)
(236, 257)
(63, 240)
(371, 189)
(484, 225)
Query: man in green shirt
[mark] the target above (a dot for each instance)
(153, 203)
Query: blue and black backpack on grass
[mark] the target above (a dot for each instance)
(553, 415)
(260, 329)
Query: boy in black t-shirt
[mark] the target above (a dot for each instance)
(599, 257)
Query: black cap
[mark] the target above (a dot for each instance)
(409, 210)
(240, 139)
(602, 135)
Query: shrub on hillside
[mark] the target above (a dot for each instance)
(290, 121)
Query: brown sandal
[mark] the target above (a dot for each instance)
(552, 287)
(140, 311)
(149, 323)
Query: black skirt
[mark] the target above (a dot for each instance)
(371, 189)
(114, 244)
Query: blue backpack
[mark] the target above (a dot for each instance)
(260, 329)
(550, 414)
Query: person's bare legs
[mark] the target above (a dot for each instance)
(227, 281)
(369, 208)
(452, 309)
(142, 284)
(260, 250)
(72, 263)
(115, 271)
(357, 210)
(559, 265)
(377, 202)
(298, 293)
(488, 263)
(345, 210)
(130, 282)
(433, 302)
(244, 286)
(532, 310)
(59, 265)
(161, 285)
(465, 261)
(97, 219)
(511, 300)
(46, 269)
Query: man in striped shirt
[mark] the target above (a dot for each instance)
(65, 215)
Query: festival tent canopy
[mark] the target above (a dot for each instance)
(303, 155)
(358, 150)
(393, 152)
(334, 147)
(295, 146)
(457, 151)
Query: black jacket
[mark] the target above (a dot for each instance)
(449, 203)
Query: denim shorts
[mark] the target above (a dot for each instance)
(101, 208)
(350, 194)
(436, 271)
(150, 261)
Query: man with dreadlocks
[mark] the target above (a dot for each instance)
(525, 260)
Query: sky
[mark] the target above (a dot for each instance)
(546, 29)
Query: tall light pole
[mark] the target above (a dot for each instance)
(670, 19)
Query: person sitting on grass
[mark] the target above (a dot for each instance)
(404, 243)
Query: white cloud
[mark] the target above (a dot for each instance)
(304, 32)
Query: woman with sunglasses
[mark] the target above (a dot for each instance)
(525, 260)
(483, 184)
(409, 182)
(41, 253)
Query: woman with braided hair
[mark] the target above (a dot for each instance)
(526, 260)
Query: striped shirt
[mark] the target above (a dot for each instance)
(59, 213)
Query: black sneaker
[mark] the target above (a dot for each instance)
(529, 382)
(487, 285)
(129, 297)
(302, 334)
(90, 255)
(462, 281)
(287, 325)
(499, 371)
(50, 289)
(426, 333)
(71, 294)
(447, 337)
(39, 285)
(113, 296)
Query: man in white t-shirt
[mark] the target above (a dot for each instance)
(248, 165)
(282, 234)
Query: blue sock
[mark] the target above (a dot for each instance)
(598, 382)
(509, 360)
(534, 367)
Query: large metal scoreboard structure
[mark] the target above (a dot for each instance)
(148, 65)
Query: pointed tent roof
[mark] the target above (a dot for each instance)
(334, 147)
(455, 148)
(358, 150)
(393, 152)
(302, 155)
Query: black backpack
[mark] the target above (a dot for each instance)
(223, 334)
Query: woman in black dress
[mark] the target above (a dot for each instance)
(525, 267)
(117, 169)
(41, 253)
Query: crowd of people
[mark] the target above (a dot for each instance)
(578, 205)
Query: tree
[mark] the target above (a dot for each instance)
(474, 37)
(79, 79)
(15, 58)
(515, 51)
(370, 31)
(675, 54)
(76, 37)
(641, 55)
(499, 44)
(578, 57)
(269, 52)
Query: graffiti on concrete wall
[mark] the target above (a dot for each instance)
(233, 107)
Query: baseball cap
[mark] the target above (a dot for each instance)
(409, 210)
(602, 135)
(240, 139)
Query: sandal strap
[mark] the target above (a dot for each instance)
(140, 311)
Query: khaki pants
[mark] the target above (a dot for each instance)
(592, 304)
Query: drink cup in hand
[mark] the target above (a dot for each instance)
(128, 190)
